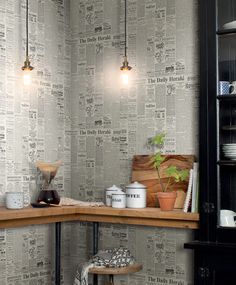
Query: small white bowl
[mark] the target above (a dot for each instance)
(230, 25)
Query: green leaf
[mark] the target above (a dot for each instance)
(158, 159)
(158, 139)
(171, 171)
(177, 174)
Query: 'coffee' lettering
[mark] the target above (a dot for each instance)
(133, 195)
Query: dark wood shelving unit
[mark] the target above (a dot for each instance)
(215, 246)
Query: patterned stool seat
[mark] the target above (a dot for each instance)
(111, 271)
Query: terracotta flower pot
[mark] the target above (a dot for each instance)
(166, 200)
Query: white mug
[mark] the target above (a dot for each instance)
(232, 87)
(227, 218)
(14, 200)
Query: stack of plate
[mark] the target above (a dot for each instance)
(229, 150)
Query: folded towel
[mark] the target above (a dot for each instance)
(64, 201)
(116, 257)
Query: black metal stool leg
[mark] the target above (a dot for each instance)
(95, 247)
(58, 253)
(111, 279)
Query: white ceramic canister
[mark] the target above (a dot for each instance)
(108, 194)
(118, 200)
(14, 200)
(136, 195)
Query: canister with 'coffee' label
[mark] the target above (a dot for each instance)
(136, 195)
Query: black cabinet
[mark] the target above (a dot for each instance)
(215, 244)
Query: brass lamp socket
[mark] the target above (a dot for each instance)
(27, 65)
(125, 65)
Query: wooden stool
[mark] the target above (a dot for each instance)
(111, 271)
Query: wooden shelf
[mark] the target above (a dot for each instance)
(146, 217)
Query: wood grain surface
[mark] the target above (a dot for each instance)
(146, 216)
(116, 270)
(144, 172)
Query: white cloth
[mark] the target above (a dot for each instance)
(64, 201)
(81, 277)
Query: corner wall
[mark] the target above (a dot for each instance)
(111, 123)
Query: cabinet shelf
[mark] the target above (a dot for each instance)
(226, 32)
(229, 128)
(226, 162)
(226, 97)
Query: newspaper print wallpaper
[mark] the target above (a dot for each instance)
(34, 125)
(78, 111)
(112, 122)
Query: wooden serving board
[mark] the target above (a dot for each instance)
(144, 172)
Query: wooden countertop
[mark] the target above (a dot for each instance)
(147, 216)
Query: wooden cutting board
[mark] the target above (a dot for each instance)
(144, 172)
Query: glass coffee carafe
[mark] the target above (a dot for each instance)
(48, 193)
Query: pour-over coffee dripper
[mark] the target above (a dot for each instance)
(48, 193)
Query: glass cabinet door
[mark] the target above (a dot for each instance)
(226, 111)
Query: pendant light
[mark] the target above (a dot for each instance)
(125, 68)
(27, 68)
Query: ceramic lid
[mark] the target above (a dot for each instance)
(136, 185)
(114, 188)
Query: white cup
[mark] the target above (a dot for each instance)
(227, 218)
(14, 200)
(232, 87)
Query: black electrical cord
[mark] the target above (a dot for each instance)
(27, 28)
(125, 28)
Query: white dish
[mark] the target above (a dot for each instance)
(231, 157)
(229, 148)
(230, 25)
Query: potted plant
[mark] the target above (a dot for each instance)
(167, 195)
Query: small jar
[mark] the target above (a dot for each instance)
(108, 194)
(14, 200)
(119, 200)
